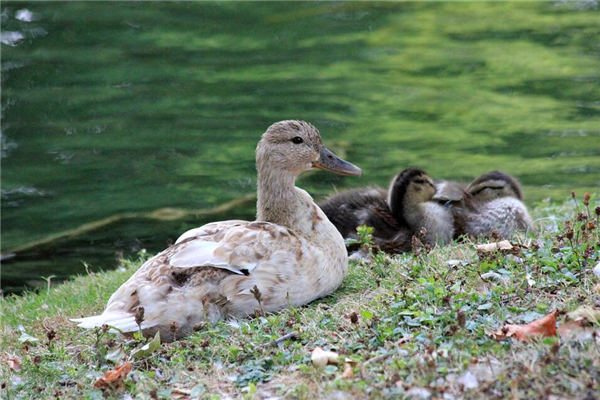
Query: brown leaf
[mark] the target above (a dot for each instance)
(586, 313)
(491, 247)
(544, 327)
(14, 362)
(114, 378)
(348, 373)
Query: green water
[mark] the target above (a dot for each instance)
(111, 108)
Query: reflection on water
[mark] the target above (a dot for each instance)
(113, 110)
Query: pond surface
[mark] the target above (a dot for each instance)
(111, 111)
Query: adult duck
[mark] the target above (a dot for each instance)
(292, 254)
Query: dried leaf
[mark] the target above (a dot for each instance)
(148, 348)
(491, 247)
(113, 379)
(14, 362)
(321, 358)
(495, 276)
(26, 338)
(115, 355)
(544, 327)
(587, 313)
(348, 373)
(457, 263)
(597, 270)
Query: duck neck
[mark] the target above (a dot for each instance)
(412, 212)
(278, 201)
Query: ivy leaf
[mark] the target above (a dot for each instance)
(115, 355)
(368, 315)
(148, 348)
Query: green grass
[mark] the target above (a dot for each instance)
(408, 337)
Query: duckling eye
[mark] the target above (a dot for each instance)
(420, 181)
(297, 140)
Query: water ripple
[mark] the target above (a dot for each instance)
(11, 38)
(6, 146)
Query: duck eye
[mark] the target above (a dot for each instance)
(297, 140)
(420, 181)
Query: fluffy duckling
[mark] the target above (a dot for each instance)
(449, 193)
(410, 198)
(493, 202)
(395, 215)
(291, 254)
(367, 206)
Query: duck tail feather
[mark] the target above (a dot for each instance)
(121, 320)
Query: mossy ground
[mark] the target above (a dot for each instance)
(422, 328)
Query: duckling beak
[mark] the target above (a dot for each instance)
(330, 162)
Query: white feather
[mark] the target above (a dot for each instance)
(119, 319)
(199, 253)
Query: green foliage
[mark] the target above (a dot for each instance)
(365, 234)
(419, 323)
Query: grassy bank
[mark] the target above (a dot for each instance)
(414, 325)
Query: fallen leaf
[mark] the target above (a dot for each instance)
(457, 263)
(587, 313)
(491, 247)
(181, 394)
(115, 355)
(26, 338)
(495, 276)
(597, 270)
(113, 379)
(418, 393)
(544, 327)
(321, 358)
(348, 373)
(14, 362)
(148, 348)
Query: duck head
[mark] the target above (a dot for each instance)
(411, 186)
(293, 147)
(493, 185)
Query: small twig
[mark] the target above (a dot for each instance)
(275, 342)
(376, 358)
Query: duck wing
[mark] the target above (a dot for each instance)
(205, 271)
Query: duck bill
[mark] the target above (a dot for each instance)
(330, 162)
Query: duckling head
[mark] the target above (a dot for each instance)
(494, 185)
(411, 186)
(292, 147)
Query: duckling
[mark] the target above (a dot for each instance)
(410, 197)
(395, 215)
(366, 206)
(493, 202)
(453, 195)
(449, 193)
(290, 255)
